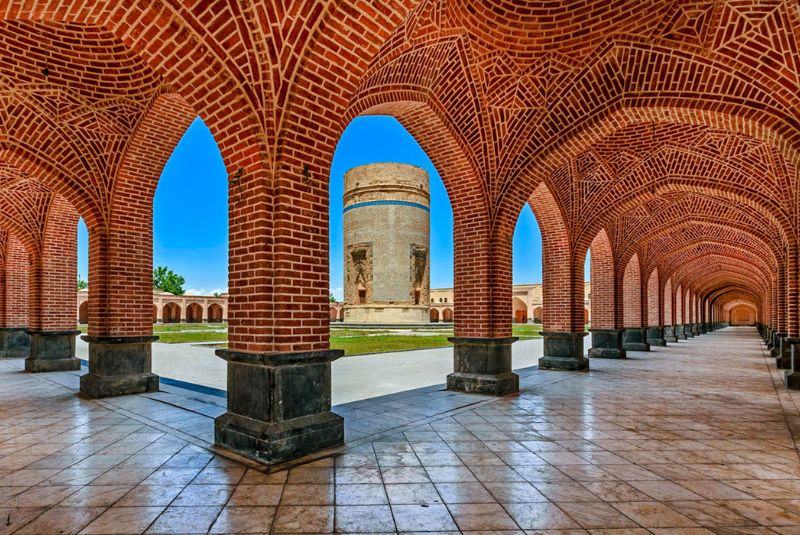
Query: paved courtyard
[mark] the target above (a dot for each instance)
(692, 438)
(354, 378)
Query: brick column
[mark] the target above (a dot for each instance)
(14, 339)
(482, 286)
(606, 331)
(52, 287)
(633, 296)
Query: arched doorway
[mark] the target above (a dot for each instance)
(155, 314)
(447, 315)
(434, 315)
(537, 315)
(194, 313)
(520, 311)
(214, 313)
(171, 313)
(83, 313)
(333, 314)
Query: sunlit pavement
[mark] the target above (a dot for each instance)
(692, 438)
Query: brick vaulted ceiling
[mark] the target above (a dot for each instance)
(637, 115)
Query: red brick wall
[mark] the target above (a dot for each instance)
(16, 291)
(632, 294)
(59, 273)
(668, 297)
(653, 302)
(603, 279)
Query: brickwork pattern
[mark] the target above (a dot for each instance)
(672, 129)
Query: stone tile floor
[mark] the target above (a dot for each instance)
(693, 438)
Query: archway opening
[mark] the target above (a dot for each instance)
(391, 251)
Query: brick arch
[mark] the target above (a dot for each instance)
(120, 249)
(194, 313)
(484, 312)
(658, 220)
(193, 58)
(171, 312)
(215, 313)
(734, 310)
(680, 259)
(630, 200)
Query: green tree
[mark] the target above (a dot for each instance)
(82, 284)
(331, 297)
(168, 281)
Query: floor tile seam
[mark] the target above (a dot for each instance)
(181, 435)
(439, 416)
(348, 446)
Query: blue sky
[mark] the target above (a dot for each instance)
(190, 209)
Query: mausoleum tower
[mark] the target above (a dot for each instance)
(386, 244)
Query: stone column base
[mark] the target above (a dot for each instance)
(792, 377)
(14, 343)
(483, 366)
(279, 405)
(775, 352)
(607, 344)
(784, 359)
(680, 334)
(119, 365)
(635, 339)
(696, 329)
(563, 351)
(655, 336)
(669, 334)
(52, 351)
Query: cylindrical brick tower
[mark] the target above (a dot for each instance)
(386, 244)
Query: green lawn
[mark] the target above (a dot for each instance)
(191, 337)
(352, 341)
(340, 332)
(386, 342)
(526, 331)
(172, 327)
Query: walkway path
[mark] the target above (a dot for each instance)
(354, 378)
(692, 436)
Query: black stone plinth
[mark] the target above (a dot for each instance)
(635, 339)
(655, 335)
(669, 334)
(680, 333)
(687, 330)
(696, 329)
(563, 351)
(775, 352)
(14, 343)
(119, 365)
(607, 344)
(483, 366)
(279, 405)
(52, 351)
(784, 359)
(792, 377)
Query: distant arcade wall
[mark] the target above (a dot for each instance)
(386, 244)
(169, 308)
